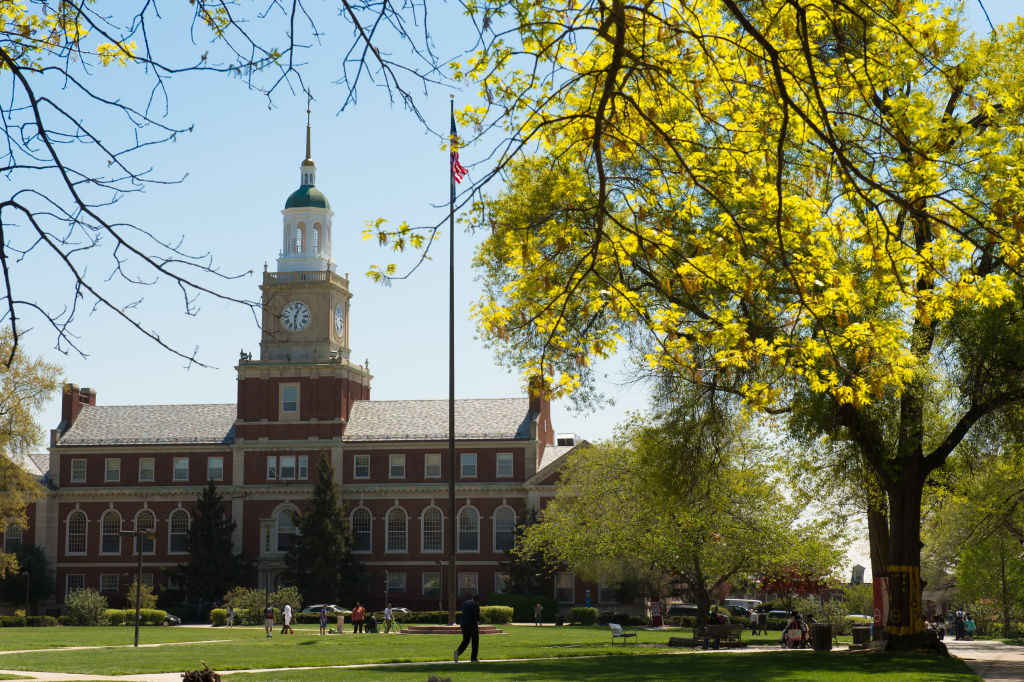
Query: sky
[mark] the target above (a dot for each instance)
(240, 161)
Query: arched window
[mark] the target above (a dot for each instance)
(361, 538)
(433, 530)
(179, 531)
(504, 528)
(469, 530)
(285, 530)
(397, 530)
(76, 532)
(317, 231)
(300, 237)
(110, 533)
(145, 520)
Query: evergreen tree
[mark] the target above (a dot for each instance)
(320, 563)
(528, 573)
(212, 569)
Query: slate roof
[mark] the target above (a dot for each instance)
(490, 419)
(148, 424)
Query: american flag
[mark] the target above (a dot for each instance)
(458, 170)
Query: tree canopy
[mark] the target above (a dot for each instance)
(213, 567)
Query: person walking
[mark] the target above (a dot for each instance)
(762, 622)
(287, 629)
(470, 627)
(323, 619)
(358, 614)
(538, 612)
(753, 621)
(969, 627)
(231, 616)
(268, 620)
(389, 618)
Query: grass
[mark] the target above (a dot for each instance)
(774, 665)
(248, 648)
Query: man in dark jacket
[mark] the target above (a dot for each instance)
(470, 627)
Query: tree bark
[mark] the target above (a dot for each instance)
(1005, 589)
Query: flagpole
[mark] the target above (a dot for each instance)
(452, 526)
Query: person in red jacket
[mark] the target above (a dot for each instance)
(358, 614)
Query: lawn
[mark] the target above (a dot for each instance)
(573, 653)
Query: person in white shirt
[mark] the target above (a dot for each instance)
(389, 618)
(287, 629)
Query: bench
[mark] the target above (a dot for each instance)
(725, 633)
(617, 631)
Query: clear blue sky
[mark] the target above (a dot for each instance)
(242, 160)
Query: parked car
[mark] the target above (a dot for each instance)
(171, 619)
(677, 610)
(332, 610)
(740, 611)
(781, 614)
(400, 611)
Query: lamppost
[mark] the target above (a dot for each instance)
(27, 578)
(139, 535)
(387, 586)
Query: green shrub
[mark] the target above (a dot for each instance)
(248, 604)
(835, 614)
(496, 615)
(312, 618)
(114, 616)
(151, 616)
(582, 615)
(12, 621)
(219, 617)
(41, 621)
(522, 606)
(85, 607)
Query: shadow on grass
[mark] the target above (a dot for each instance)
(837, 666)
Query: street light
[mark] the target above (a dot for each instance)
(138, 535)
(27, 578)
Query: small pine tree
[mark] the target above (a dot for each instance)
(212, 569)
(320, 562)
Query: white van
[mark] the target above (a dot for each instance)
(750, 604)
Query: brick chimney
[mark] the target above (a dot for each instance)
(540, 409)
(74, 400)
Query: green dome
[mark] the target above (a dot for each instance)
(307, 196)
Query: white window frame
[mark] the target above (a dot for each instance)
(434, 575)
(286, 467)
(171, 533)
(459, 548)
(282, 403)
(396, 466)
(356, 460)
(219, 469)
(79, 477)
(174, 469)
(77, 578)
(392, 535)
(465, 589)
(140, 541)
(104, 534)
(571, 577)
(464, 459)
(106, 577)
(369, 530)
(302, 468)
(494, 527)
(427, 465)
(290, 514)
(423, 531)
(67, 533)
(507, 458)
(397, 583)
(152, 469)
(112, 474)
(13, 536)
(271, 467)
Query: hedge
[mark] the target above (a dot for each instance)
(114, 616)
(606, 617)
(41, 621)
(496, 615)
(152, 616)
(31, 621)
(522, 606)
(13, 621)
(582, 615)
(218, 617)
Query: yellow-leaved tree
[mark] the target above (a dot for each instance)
(26, 384)
(815, 207)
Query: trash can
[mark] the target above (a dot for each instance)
(861, 634)
(341, 624)
(821, 636)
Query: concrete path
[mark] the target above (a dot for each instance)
(993, 661)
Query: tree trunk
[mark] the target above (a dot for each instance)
(904, 626)
(1005, 589)
(878, 542)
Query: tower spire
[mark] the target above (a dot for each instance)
(309, 101)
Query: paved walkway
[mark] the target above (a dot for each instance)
(991, 660)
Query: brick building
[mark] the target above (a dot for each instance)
(135, 467)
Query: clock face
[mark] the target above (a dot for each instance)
(339, 319)
(295, 316)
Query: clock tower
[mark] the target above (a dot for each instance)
(303, 371)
